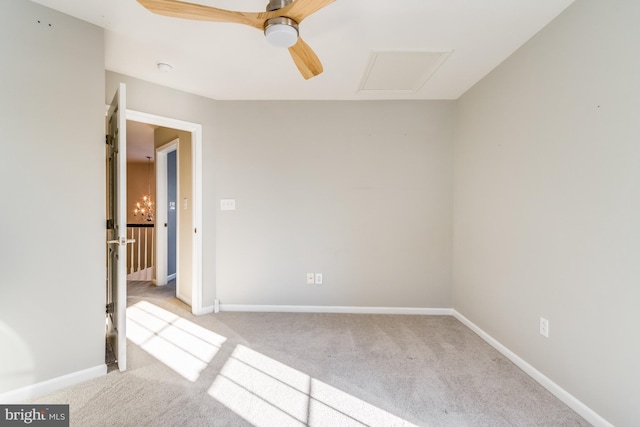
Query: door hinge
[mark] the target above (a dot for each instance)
(110, 308)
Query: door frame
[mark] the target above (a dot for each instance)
(196, 176)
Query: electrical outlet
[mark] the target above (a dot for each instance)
(544, 327)
(318, 278)
(310, 278)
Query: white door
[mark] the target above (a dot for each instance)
(117, 227)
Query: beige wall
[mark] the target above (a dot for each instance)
(547, 196)
(52, 294)
(138, 180)
(358, 191)
(185, 227)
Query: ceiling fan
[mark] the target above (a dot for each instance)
(279, 23)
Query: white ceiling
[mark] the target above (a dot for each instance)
(234, 62)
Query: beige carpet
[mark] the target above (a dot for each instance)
(276, 370)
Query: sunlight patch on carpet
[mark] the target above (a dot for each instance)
(268, 393)
(182, 345)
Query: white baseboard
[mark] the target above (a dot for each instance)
(336, 309)
(34, 391)
(583, 410)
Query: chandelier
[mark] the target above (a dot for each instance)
(145, 208)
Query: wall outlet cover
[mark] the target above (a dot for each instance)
(544, 327)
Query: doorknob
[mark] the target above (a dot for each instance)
(122, 241)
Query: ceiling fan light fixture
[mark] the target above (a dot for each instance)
(281, 32)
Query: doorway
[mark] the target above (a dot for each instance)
(193, 200)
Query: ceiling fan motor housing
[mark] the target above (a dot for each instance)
(277, 4)
(280, 31)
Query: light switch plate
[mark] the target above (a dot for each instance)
(227, 204)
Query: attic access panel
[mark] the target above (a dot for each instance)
(400, 71)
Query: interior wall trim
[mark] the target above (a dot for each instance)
(336, 309)
(567, 398)
(33, 391)
(208, 309)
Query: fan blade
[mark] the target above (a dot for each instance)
(180, 9)
(301, 9)
(305, 59)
